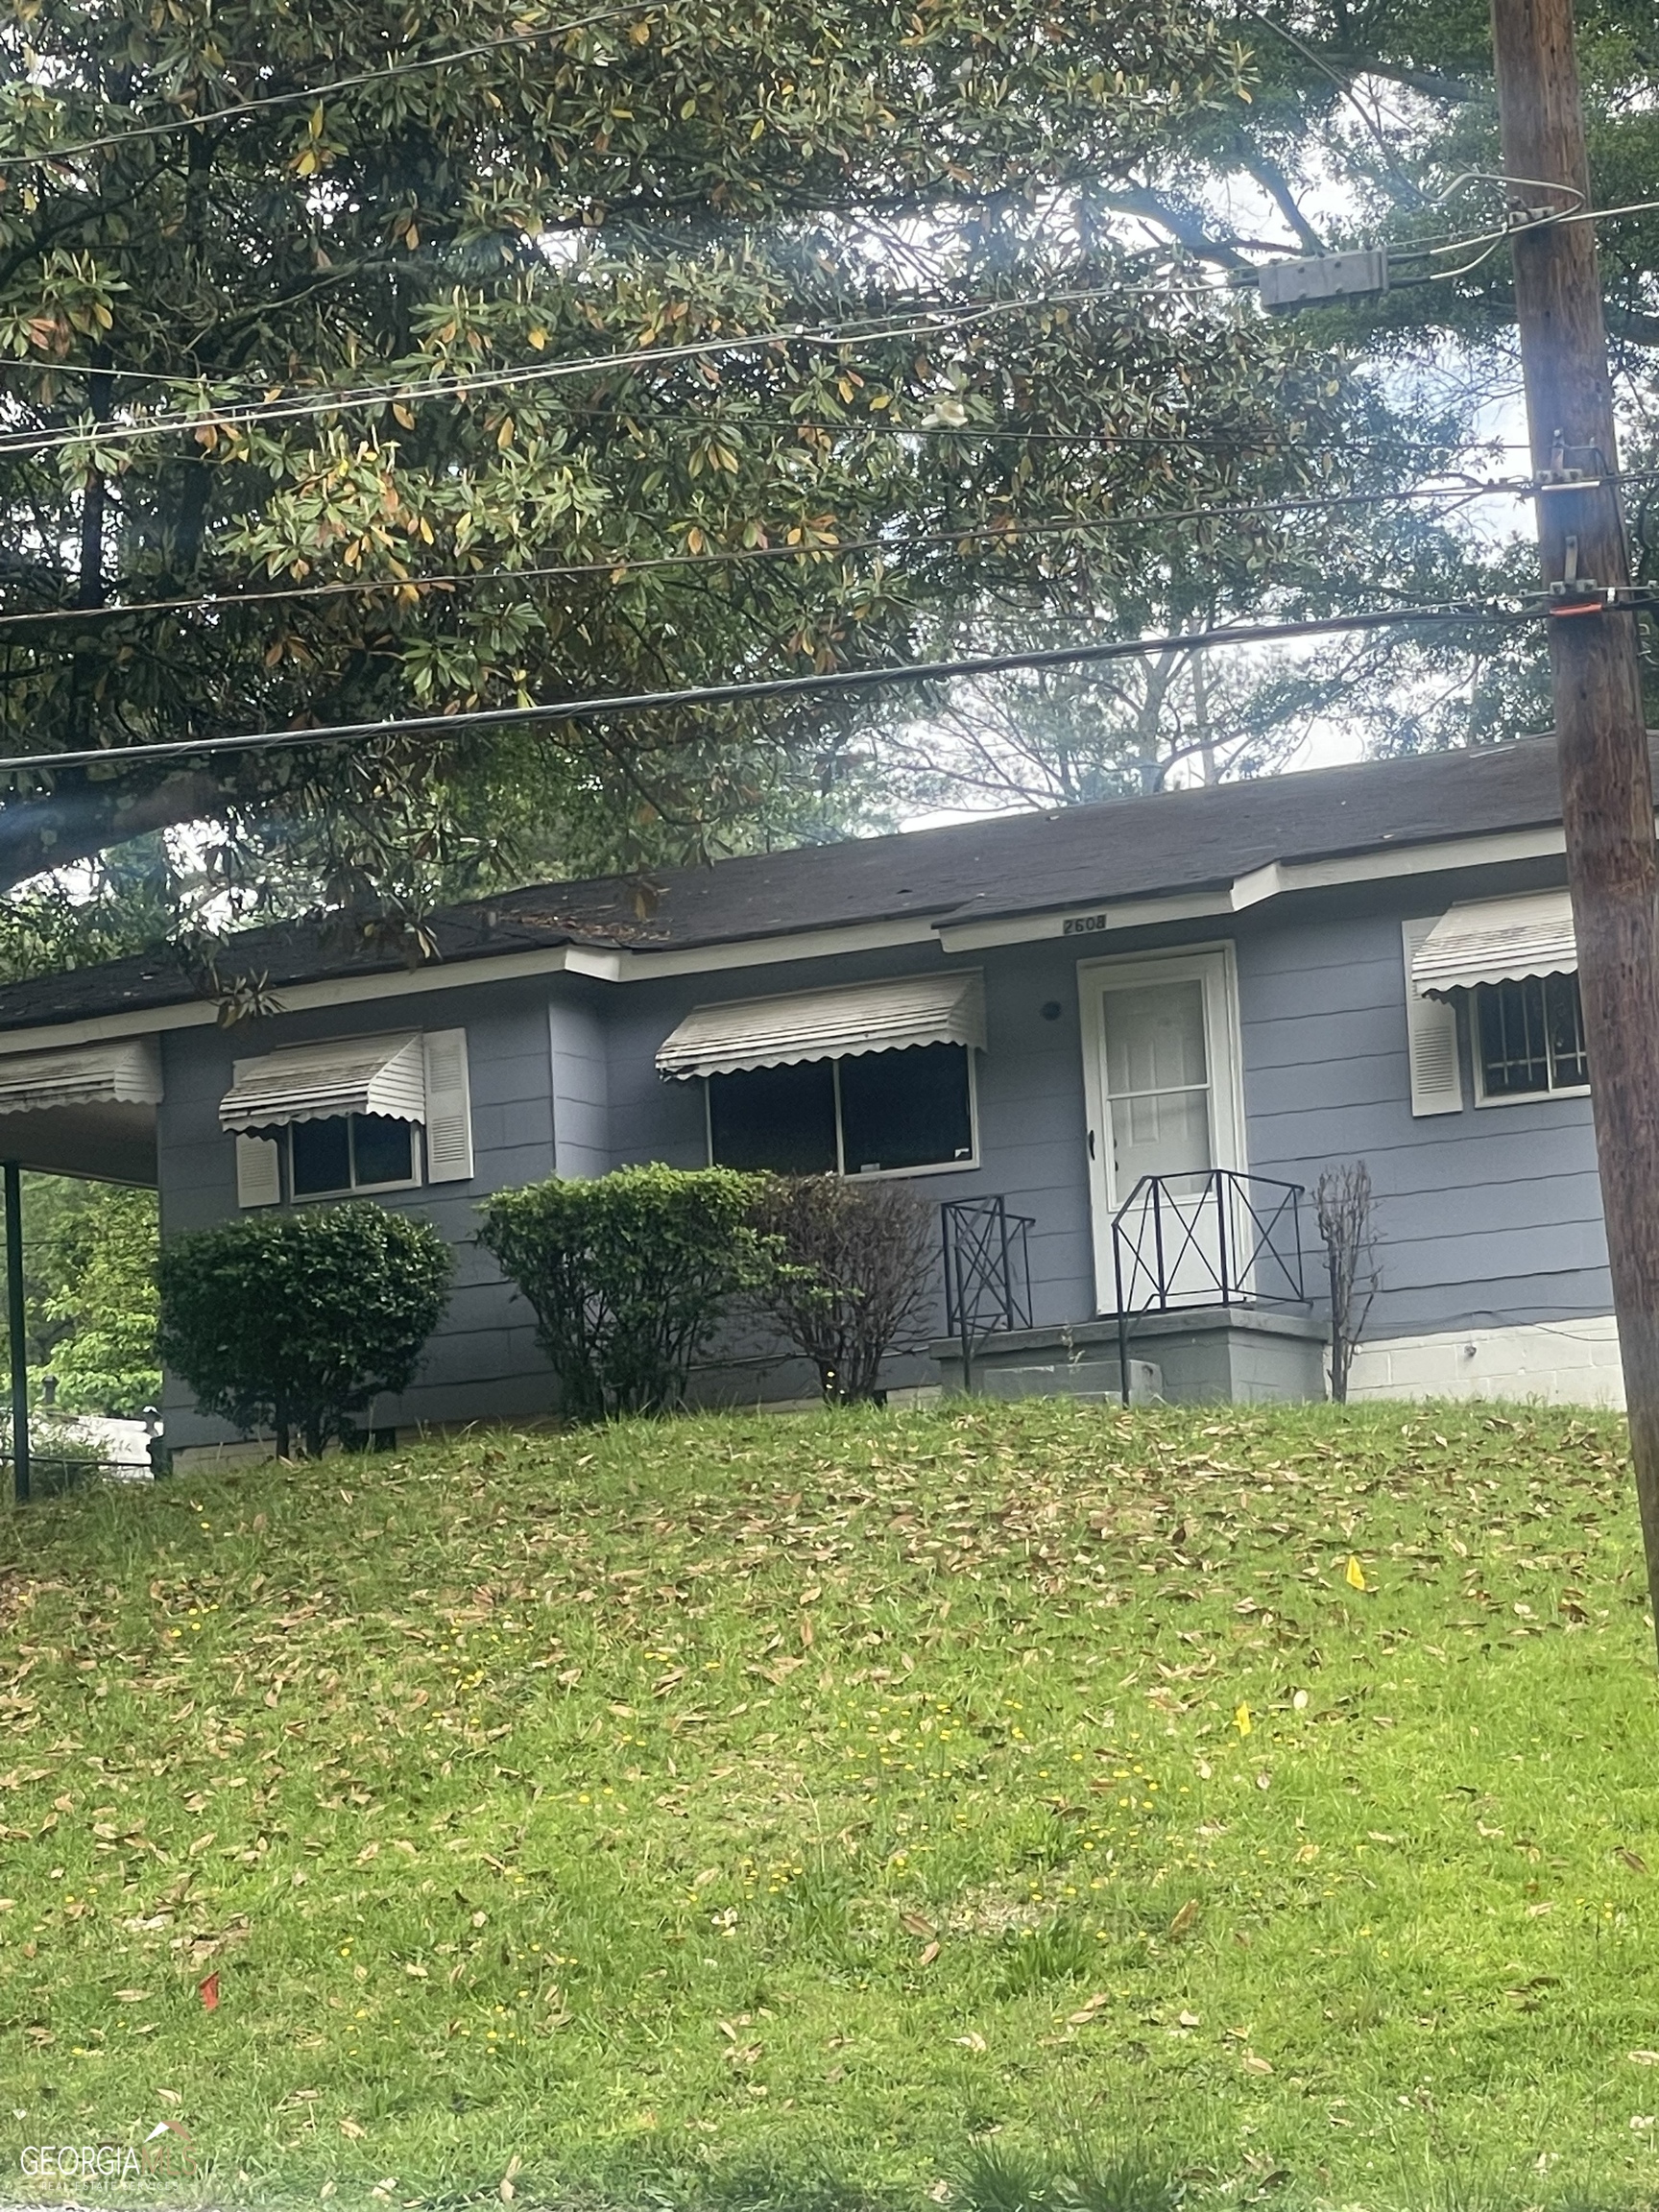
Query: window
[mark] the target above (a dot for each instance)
(1530, 1037)
(376, 1113)
(350, 1152)
(868, 1114)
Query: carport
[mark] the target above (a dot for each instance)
(86, 1110)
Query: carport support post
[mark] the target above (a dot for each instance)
(16, 1324)
(1602, 741)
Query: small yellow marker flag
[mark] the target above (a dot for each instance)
(1355, 1574)
(1242, 1720)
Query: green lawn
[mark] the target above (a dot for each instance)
(851, 1809)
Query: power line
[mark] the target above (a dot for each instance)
(49, 154)
(234, 416)
(836, 681)
(621, 564)
(230, 415)
(620, 414)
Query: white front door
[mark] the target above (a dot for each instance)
(1161, 1076)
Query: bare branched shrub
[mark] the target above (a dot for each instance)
(1345, 1207)
(856, 1271)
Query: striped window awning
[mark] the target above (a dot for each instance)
(1495, 941)
(832, 1024)
(316, 1082)
(125, 1072)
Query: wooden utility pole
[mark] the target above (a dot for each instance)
(1606, 782)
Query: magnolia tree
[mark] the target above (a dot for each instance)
(350, 371)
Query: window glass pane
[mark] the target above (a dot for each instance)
(383, 1149)
(1514, 1057)
(1162, 1133)
(1566, 1020)
(779, 1117)
(321, 1155)
(1155, 1038)
(905, 1109)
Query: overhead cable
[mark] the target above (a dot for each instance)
(989, 535)
(229, 418)
(601, 708)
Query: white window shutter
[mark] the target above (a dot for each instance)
(258, 1171)
(1430, 1036)
(448, 1107)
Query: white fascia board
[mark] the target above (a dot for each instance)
(1541, 844)
(1271, 881)
(600, 964)
(1085, 925)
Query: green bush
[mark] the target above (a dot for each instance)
(629, 1275)
(297, 1320)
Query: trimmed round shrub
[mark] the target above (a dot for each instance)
(294, 1321)
(629, 1275)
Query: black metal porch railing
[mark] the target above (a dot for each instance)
(1216, 1237)
(987, 1273)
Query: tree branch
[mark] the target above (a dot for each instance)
(1274, 182)
(78, 821)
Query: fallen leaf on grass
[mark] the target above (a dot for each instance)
(131, 1996)
(1185, 1918)
(504, 2188)
(209, 1992)
(1252, 2064)
(930, 1953)
(1354, 1575)
(1634, 1860)
(972, 2041)
(1086, 2011)
(916, 1924)
(1644, 2058)
(353, 2132)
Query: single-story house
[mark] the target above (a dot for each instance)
(1145, 1027)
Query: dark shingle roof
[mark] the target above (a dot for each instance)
(1007, 865)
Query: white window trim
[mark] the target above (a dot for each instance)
(966, 1166)
(1215, 967)
(1477, 1067)
(416, 1182)
(422, 1178)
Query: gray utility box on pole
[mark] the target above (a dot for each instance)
(1304, 284)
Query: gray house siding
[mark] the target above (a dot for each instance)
(582, 1144)
(483, 1363)
(1489, 1216)
(1029, 1088)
